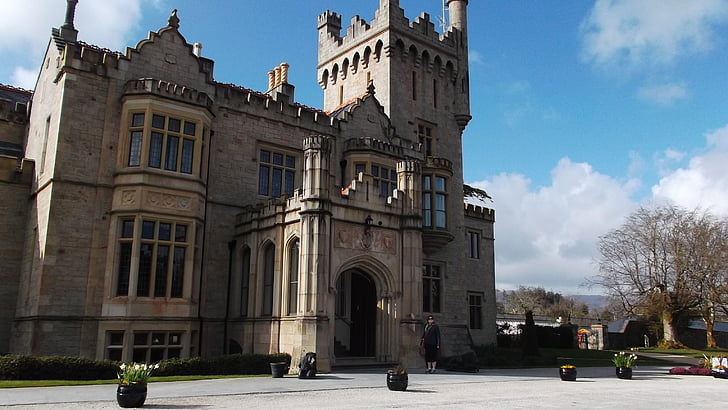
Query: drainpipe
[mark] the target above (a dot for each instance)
(231, 251)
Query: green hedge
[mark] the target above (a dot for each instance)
(55, 368)
(21, 367)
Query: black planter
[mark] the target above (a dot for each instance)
(131, 395)
(568, 374)
(623, 372)
(278, 369)
(397, 382)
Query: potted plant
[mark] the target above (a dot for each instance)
(133, 378)
(567, 372)
(397, 378)
(718, 366)
(623, 362)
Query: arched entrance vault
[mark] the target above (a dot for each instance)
(364, 317)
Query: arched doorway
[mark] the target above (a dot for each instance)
(356, 314)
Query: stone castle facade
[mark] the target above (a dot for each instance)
(156, 213)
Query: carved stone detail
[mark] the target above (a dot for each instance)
(372, 239)
(128, 197)
(163, 200)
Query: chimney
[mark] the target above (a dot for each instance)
(68, 32)
(278, 87)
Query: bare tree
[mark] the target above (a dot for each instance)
(644, 263)
(708, 261)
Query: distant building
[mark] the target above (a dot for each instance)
(154, 212)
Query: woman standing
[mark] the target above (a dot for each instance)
(431, 342)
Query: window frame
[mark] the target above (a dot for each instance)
(175, 149)
(161, 270)
(473, 244)
(268, 285)
(277, 179)
(432, 274)
(434, 201)
(294, 255)
(475, 310)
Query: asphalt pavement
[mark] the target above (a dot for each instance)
(596, 387)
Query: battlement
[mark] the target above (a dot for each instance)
(271, 208)
(16, 171)
(238, 98)
(437, 162)
(169, 90)
(14, 104)
(480, 212)
(389, 16)
(373, 144)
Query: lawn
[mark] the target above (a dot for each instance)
(48, 383)
(513, 358)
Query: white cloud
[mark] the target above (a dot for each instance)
(664, 94)
(25, 29)
(25, 78)
(704, 181)
(632, 34)
(546, 236)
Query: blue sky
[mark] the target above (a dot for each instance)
(582, 110)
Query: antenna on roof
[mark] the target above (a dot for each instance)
(443, 19)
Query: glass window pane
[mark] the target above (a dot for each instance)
(375, 170)
(180, 233)
(165, 230)
(174, 125)
(427, 183)
(140, 355)
(188, 147)
(263, 182)
(393, 175)
(178, 271)
(426, 295)
(290, 161)
(127, 228)
(175, 339)
(137, 120)
(440, 184)
(160, 274)
(156, 355)
(145, 269)
(264, 156)
(435, 295)
(190, 128)
(170, 158)
(113, 355)
(276, 182)
(148, 229)
(122, 282)
(141, 338)
(158, 121)
(277, 158)
(289, 183)
(360, 168)
(173, 353)
(135, 148)
(155, 150)
(116, 338)
(159, 338)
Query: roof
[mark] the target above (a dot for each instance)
(14, 94)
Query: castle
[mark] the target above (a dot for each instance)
(154, 212)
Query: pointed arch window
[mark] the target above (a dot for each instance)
(269, 255)
(245, 281)
(293, 256)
